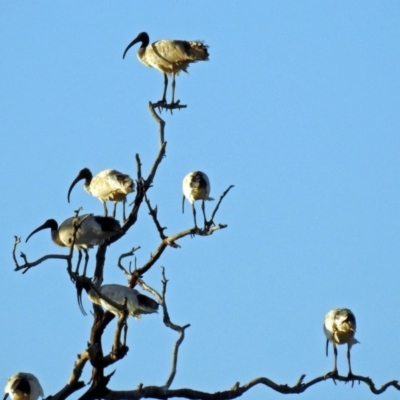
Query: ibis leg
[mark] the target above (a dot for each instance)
(78, 263)
(115, 209)
(335, 370)
(123, 210)
(194, 215)
(164, 100)
(105, 209)
(86, 261)
(203, 207)
(173, 89)
(348, 360)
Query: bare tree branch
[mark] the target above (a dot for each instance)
(138, 167)
(123, 255)
(161, 392)
(27, 265)
(175, 106)
(211, 221)
(73, 383)
(176, 328)
(160, 122)
(153, 213)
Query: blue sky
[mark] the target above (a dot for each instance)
(298, 108)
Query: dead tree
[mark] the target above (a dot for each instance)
(96, 357)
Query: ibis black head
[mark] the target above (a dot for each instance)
(83, 174)
(22, 385)
(50, 223)
(142, 37)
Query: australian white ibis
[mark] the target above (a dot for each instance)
(340, 328)
(196, 186)
(107, 185)
(23, 386)
(169, 56)
(136, 302)
(92, 231)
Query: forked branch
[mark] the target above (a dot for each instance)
(176, 328)
(27, 265)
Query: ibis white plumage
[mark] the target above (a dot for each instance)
(107, 185)
(340, 328)
(136, 303)
(196, 186)
(91, 231)
(169, 56)
(23, 386)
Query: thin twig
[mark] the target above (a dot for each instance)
(138, 167)
(155, 165)
(160, 122)
(169, 241)
(149, 289)
(153, 213)
(218, 204)
(27, 265)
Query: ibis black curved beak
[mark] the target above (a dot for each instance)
(129, 46)
(142, 37)
(50, 223)
(83, 174)
(5, 396)
(183, 204)
(79, 289)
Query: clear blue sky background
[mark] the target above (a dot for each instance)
(298, 108)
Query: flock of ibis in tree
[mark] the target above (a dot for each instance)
(89, 230)
(86, 231)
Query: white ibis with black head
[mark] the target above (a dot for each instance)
(107, 185)
(136, 303)
(169, 56)
(196, 186)
(23, 386)
(92, 231)
(340, 328)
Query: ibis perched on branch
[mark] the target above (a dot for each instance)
(107, 185)
(136, 303)
(23, 386)
(340, 328)
(90, 230)
(169, 56)
(196, 186)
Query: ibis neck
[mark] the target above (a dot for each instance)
(56, 238)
